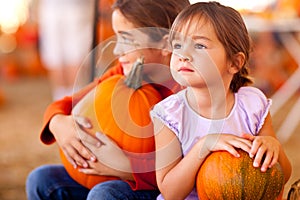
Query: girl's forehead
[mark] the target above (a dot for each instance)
(194, 26)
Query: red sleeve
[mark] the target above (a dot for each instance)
(143, 172)
(65, 105)
(144, 167)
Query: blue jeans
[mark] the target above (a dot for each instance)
(52, 182)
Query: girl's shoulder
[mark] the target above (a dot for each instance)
(179, 96)
(169, 111)
(172, 102)
(252, 102)
(252, 95)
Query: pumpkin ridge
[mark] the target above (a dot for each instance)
(267, 180)
(243, 174)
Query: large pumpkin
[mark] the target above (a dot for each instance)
(119, 107)
(223, 176)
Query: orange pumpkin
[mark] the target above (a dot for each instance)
(119, 107)
(223, 176)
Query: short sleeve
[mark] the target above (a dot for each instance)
(169, 112)
(254, 102)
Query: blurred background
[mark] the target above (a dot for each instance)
(26, 88)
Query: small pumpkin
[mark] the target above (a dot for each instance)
(119, 107)
(294, 192)
(223, 176)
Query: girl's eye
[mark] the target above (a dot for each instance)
(199, 46)
(176, 46)
(128, 41)
(125, 40)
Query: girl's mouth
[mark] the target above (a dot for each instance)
(185, 69)
(124, 62)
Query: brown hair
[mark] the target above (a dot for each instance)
(230, 30)
(151, 13)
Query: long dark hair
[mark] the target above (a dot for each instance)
(151, 13)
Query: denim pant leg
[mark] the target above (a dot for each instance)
(119, 190)
(53, 182)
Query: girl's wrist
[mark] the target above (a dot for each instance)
(202, 149)
(53, 122)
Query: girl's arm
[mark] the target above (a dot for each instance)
(175, 174)
(266, 144)
(59, 125)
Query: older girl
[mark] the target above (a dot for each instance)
(52, 181)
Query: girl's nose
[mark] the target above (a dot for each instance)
(185, 58)
(118, 49)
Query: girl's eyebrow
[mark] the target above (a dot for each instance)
(200, 37)
(193, 37)
(125, 33)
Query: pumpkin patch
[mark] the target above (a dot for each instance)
(223, 176)
(119, 107)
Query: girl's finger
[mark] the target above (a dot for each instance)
(274, 160)
(87, 138)
(266, 162)
(259, 156)
(255, 147)
(248, 136)
(70, 159)
(84, 152)
(232, 150)
(242, 144)
(87, 171)
(82, 121)
(74, 157)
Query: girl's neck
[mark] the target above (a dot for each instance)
(212, 104)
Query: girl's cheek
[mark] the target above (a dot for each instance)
(174, 60)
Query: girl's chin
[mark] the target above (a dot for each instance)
(126, 69)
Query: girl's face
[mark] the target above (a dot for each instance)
(199, 58)
(132, 44)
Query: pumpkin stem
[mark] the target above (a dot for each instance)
(135, 76)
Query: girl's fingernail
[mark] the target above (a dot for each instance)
(255, 164)
(88, 125)
(93, 159)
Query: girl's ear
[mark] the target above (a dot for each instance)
(166, 47)
(237, 62)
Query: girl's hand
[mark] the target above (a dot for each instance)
(108, 153)
(111, 160)
(264, 150)
(227, 142)
(100, 169)
(65, 130)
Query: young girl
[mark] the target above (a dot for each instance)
(216, 111)
(52, 181)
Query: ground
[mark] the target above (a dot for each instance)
(21, 150)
